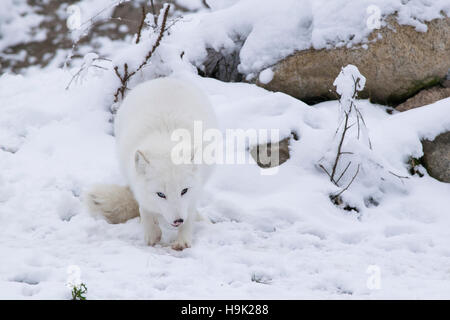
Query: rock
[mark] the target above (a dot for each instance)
(436, 157)
(424, 98)
(397, 65)
(260, 152)
(446, 83)
(222, 65)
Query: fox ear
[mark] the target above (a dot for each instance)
(140, 161)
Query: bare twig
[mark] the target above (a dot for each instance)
(398, 176)
(348, 185)
(345, 129)
(359, 127)
(83, 67)
(91, 19)
(206, 4)
(343, 172)
(155, 17)
(348, 104)
(141, 24)
(355, 92)
(338, 154)
(323, 168)
(360, 116)
(345, 125)
(158, 40)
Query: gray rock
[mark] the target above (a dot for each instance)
(263, 153)
(437, 157)
(222, 65)
(424, 98)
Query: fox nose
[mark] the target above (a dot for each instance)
(178, 222)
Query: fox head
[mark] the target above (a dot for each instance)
(165, 188)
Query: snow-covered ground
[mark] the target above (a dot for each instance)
(273, 236)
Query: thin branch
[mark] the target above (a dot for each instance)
(358, 113)
(357, 120)
(398, 176)
(158, 40)
(83, 67)
(355, 92)
(91, 19)
(206, 4)
(338, 154)
(99, 67)
(323, 168)
(349, 184)
(337, 129)
(141, 24)
(351, 125)
(155, 17)
(343, 172)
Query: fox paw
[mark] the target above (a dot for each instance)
(181, 245)
(153, 238)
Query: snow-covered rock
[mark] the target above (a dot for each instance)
(397, 64)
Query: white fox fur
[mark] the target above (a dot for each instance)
(143, 127)
(116, 203)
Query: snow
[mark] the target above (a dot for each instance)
(272, 236)
(348, 81)
(266, 76)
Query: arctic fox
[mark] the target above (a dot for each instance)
(160, 190)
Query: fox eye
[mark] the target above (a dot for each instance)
(161, 195)
(184, 191)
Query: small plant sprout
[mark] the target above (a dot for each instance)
(78, 292)
(74, 283)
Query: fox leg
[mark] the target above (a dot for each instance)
(152, 231)
(184, 237)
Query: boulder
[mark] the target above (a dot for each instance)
(262, 153)
(436, 157)
(424, 98)
(398, 62)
